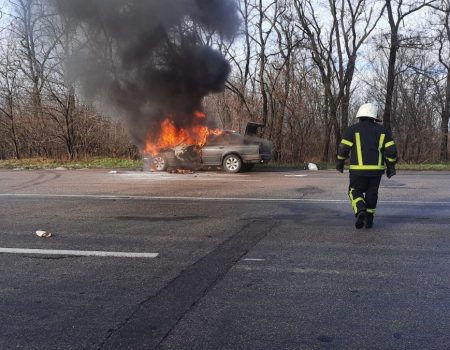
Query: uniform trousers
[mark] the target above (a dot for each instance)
(363, 192)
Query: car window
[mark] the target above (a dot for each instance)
(214, 140)
(225, 139)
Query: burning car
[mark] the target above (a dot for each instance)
(230, 150)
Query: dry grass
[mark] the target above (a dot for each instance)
(92, 163)
(123, 163)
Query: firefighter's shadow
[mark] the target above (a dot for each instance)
(302, 214)
(321, 215)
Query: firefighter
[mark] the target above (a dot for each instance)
(371, 150)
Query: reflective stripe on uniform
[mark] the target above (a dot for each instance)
(358, 148)
(392, 160)
(389, 144)
(341, 158)
(371, 211)
(346, 142)
(354, 201)
(380, 146)
(366, 167)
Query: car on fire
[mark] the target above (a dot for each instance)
(230, 150)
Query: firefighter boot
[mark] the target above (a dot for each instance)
(369, 220)
(360, 219)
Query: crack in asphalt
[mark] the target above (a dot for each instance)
(183, 293)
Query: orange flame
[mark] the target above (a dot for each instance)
(171, 136)
(199, 114)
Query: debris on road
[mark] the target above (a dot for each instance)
(113, 172)
(181, 171)
(312, 167)
(60, 168)
(43, 234)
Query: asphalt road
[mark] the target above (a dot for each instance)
(262, 260)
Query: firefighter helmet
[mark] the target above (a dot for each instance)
(368, 110)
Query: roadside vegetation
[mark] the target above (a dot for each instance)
(92, 163)
(133, 164)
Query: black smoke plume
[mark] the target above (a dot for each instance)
(145, 58)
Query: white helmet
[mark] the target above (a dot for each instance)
(368, 110)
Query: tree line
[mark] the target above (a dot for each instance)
(301, 67)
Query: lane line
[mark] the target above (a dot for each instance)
(78, 253)
(207, 199)
(296, 175)
(249, 259)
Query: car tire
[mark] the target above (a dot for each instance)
(232, 163)
(159, 163)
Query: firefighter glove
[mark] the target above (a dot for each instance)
(340, 166)
(390, 172)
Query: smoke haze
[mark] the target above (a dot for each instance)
(145, 59)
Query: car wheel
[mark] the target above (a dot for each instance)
(159, 163)
(232, 163)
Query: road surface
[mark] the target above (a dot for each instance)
(261, 260)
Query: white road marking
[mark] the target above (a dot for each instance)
(296, 175)
(206, 199)
(249, 259)
(77, 253)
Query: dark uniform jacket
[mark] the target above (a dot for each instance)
(370, 146)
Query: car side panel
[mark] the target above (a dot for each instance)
(213, 155)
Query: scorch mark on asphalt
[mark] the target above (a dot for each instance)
(154, 319)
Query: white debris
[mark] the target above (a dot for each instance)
(60, 168)
(43, 234)
(113, 172)
(313, 167)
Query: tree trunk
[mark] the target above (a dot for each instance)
(390, 80)
(262, 66)
(10, 113)
(70, 131)
(444, 122)
(283, 107)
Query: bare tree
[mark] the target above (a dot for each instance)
(443, 39)
(30, 25)
(288, 42)
(9, 95)
(335, 50)
(397, 11)
(267, 18)
(61, 86)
